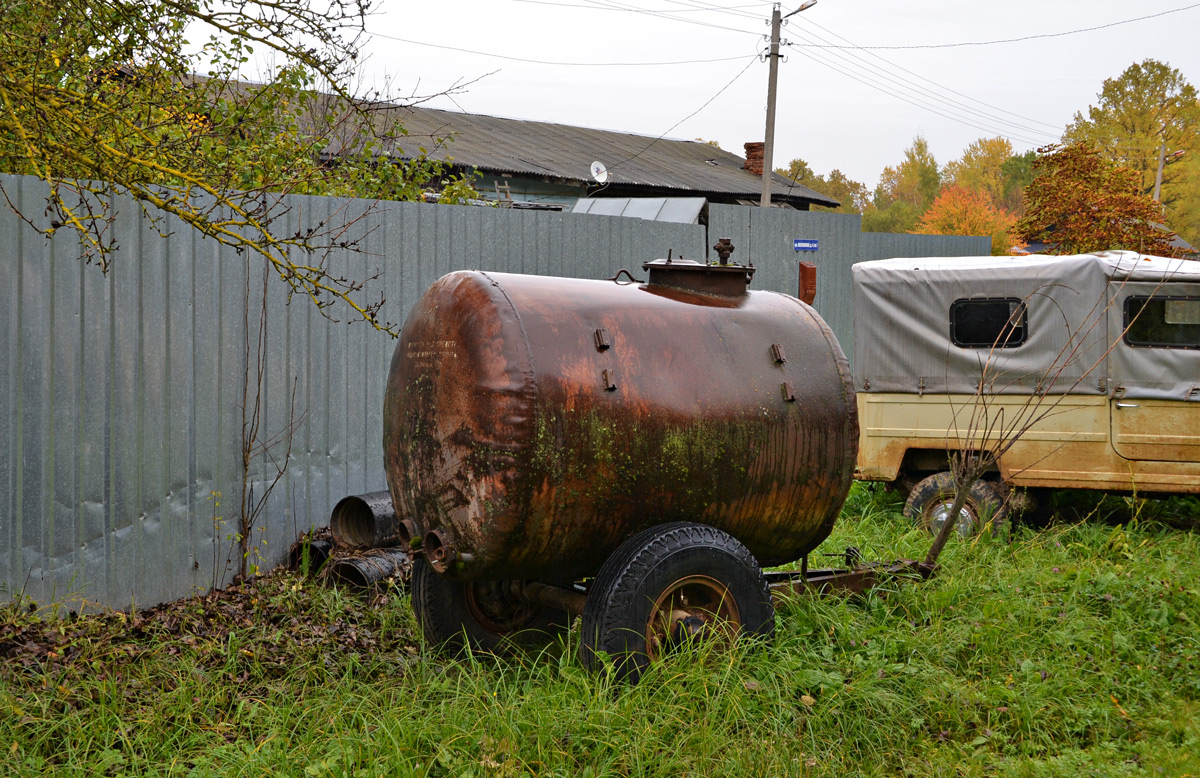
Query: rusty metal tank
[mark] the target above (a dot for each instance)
(531, 424)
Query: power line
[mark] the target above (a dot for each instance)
(934, 83)
(548, 62)
(922, 94)
(690, 115)
(711, 8)
(926, 107)
(1011, 40)
(592, 8)
(615, 6)
(867, 73)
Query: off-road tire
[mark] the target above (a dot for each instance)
(451, 620)
(985, 503)
(622, 600)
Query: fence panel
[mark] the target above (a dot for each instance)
(128, 400)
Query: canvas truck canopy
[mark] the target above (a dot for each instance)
(1025, 324)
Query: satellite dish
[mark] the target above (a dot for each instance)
(599, 172)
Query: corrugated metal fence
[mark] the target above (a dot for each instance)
(135, 431)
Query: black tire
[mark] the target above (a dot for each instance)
(631, 608)
(483, 615)
(931, 499)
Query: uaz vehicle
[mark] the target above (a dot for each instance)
(1086, 368)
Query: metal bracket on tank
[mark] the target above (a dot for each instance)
(609, 384)
(603, 341)
(628, 275)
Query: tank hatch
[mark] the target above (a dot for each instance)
(724, 280)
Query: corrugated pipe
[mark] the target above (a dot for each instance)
(365, 570)
(309, 555)
(365, 521)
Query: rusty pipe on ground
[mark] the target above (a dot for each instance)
(365, 521)
(309, 555)
(363, 571)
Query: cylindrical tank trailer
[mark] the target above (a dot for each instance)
(657, 441)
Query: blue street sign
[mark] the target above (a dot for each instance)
(800, 244)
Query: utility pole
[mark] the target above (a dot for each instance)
(1162, 162)
(772, 82)
(1163, 158)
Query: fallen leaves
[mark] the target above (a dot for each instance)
(263, 621)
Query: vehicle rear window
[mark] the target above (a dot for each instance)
(1163, 322)
(984, 323)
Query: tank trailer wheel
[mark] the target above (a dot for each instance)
(484, 615)
(667, 585)
(931, 499)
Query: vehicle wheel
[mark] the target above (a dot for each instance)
(930, 502)
(484, 615)
(669, 584)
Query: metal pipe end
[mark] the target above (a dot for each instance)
(438, 550)
(309, 555)
(370, 569)
(364, 521)
(352, 523)
(410, 534)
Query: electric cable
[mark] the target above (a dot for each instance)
(664, 15)
(592, 8)
(922, 94)
(693, 113)
(1010, 136)
(928, 81)
(1022, 39)
(548, 62)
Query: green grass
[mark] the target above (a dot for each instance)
(1069, 651)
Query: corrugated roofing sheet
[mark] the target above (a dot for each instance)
(530, 148)
(683, 210)
(561, 151)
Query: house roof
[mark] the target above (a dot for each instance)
(560, 151)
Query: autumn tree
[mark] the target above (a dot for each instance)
(101, 98)
(1149, 108)
(1141, 120)
(1079, 202)
(852, 195)
(990, 166)
(961, 211)
(979, 168)
(1184, 214)
(799, 171)
(904, 192)
(1016, 173)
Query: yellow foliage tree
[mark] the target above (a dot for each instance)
(102, 98)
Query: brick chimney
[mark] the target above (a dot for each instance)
(754, 158)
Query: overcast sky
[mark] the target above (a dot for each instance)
(856, 109)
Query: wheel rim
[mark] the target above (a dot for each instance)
(494, 609)
(695, 606)
(939, 513)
